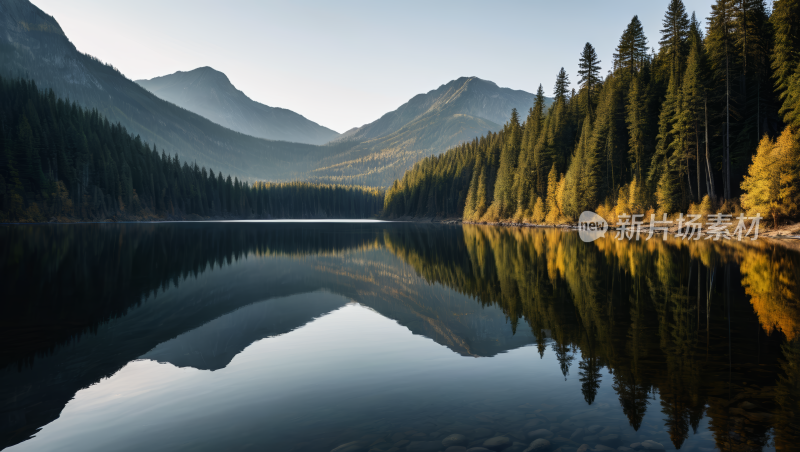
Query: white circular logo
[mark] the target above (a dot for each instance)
(591, 226)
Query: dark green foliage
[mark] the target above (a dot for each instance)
(562, 85)
(631, 53)
(589, 73)
(674, 36)
(59, 160)
(786, 58)
(662, 130)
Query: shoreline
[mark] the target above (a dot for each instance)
(787, 236)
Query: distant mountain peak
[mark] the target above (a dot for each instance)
(210, 93)
(428, 124)
(24, 16)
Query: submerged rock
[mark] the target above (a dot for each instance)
(516, 447)
(497, 443)
(455, 439)
(533, 423)
(539, 445)
(611, 440)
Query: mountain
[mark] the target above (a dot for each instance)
(428, 124)
(33, 45)
(210, 94)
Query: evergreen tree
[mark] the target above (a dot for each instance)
(562, 86)
(691, 114)
(786, 58)
(590, 374)
(589, 73)
(637, 127)
(553, 210)
(664, 166)
(721, 49)
(503, 193)
(674, 36)
(631, 51)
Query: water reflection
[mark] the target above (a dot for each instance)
(702, 333)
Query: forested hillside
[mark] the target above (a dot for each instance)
(667, 131)
(33, 46)
(210, 94)
(58, 160)
(378, 153)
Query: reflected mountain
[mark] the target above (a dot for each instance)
(213, 345)
(709, 326)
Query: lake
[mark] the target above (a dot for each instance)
(365, 336)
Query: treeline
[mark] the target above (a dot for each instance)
(60, 161)
(667, 132)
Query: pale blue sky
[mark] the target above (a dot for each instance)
(346, 63)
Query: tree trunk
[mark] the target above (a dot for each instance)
(710, 179)
(727, 167)
(697, 160)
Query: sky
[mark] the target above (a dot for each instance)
(344, 64)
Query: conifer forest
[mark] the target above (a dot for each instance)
(60, 161)
(709, 122)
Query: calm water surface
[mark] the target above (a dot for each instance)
(391, 337)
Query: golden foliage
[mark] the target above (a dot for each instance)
(770, 282)
(771, 181)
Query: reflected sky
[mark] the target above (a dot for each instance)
(339, 372)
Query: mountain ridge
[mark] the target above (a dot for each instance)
(210, 94)
(428, 124)
(33, 46)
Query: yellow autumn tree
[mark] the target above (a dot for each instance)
(538, 211)
(770, 184)
(552, 201)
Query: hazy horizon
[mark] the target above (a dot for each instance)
(346, 65)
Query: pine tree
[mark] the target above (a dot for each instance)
(674, 36)
(503, 204)
(472, 196)
(631, 51)
(581, 186)
(553, 211)
(721, 47)
(689, 122)
(637, 127)
(482, 197)
(538, 214)
(590, 373)
(589, 74)
(665, 159)
(786, 58)
(562, 86)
